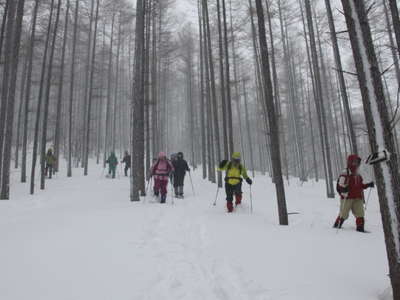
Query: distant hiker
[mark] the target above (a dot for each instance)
(50, 161)
(351, 188)
(235, 172)
(112, 164)
(127, 161)
(181, 167)
(174, 156)
(161, 171)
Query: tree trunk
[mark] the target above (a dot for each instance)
(396, 21)
(137, 122)
(213, 89)
(47, 101)
(273, 125)
(320, 101)
(90, 99)
(40, 101)
(71, 88)
(28, 90)
(342, 83)
(222, 83)
(57, 132)
(13, 54)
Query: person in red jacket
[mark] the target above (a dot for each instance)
(350, 187)
(161, 170)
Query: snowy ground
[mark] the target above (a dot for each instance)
(82, 239)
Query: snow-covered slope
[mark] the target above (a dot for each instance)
(82, 239)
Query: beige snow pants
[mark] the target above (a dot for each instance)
(355, 205)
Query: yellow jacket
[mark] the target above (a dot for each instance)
(234, 173)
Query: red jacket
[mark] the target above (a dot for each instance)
(350, 184)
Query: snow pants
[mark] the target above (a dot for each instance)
(179, 180)
(49, 170)
(160, 186)
(112, 170)
(126, 169)
(355, 205)
(233, 190)
(178, 184)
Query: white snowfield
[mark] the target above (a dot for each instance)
(82, 239)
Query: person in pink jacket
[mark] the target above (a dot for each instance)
(161, 170)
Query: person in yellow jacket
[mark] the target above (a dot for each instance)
(235, 173)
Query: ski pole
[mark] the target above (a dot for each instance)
(251, 201)
(191, 181)
(216, 196)
(102, 173)
(147, 188)
(369, 195)
(172, 194)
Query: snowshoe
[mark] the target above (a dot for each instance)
(360, 229)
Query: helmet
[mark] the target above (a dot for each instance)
(236, 155)
(180, 155)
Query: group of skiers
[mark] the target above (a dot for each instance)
(350, 185)
(176, 168)
(112, 162)
(161, 171)
(164, 169)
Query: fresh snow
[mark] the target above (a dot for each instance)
(379, 131)
(82, 239)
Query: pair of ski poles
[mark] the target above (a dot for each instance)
(147, 188)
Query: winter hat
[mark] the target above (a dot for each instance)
(353, 162)
(180, 154)
(236, 155)
(162, 155)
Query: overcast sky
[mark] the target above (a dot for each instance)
(186, 9)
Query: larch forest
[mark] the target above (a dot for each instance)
(295, 86)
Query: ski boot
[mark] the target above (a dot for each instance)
(360, 224)
(238, 200)
(338, 223)
(229, 206)
(163, 199)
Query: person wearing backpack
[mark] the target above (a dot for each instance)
(128, 162)
(161, 171)
(350, 187)
(181, 167)
(112, 162)
(50, 161)
(235, 173)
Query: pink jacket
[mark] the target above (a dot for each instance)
(161, 169)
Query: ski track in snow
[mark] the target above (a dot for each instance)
(82, 239)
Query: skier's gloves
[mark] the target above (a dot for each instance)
(371, 185)
(249, 181)
(223, 163)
